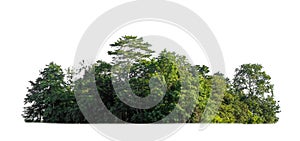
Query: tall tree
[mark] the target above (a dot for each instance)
(254, 87)
(51, 98)
(45, 95)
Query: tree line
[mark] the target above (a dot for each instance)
(248, 98)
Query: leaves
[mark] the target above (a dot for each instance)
(254, 88)
(51, 99)
(189, 93)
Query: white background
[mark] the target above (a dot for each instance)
(33, 33)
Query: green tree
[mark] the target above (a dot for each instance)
(204, 93)
(51, 99)
(169, 69)
(44, 95)
(130, 49)
(255, 89)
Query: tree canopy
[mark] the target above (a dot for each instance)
(185, 93)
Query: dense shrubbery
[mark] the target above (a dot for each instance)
(248, 98)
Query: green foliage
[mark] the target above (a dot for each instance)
(248, 99)
(254, 88)
(51, 98)
(129, 49)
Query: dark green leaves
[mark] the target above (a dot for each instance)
(51, 98)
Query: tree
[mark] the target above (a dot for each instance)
(44, 95)
(255, 89)
(204, 87)
(51, 99)
(168, 69)
(130, 49)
